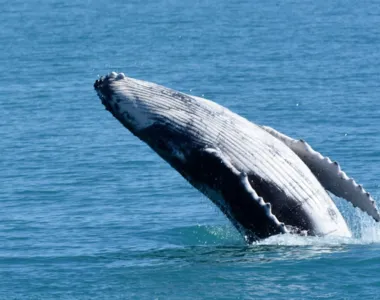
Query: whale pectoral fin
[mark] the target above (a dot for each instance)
(215, 170)
(330, 174)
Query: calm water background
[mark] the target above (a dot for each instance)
(87, 211)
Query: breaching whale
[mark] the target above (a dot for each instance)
(265, 182)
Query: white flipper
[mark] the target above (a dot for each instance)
(265, 205)
(330, 174)
(249, 191)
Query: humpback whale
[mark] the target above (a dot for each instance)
(265, 182)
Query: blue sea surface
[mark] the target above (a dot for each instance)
(87, 211)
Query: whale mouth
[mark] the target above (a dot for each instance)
(103, 88)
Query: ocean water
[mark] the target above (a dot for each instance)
(87, 211)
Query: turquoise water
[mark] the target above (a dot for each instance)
(87, 211)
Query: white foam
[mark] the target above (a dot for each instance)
(369, 234)
(298, 240)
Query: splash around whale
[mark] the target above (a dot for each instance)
(265, 182)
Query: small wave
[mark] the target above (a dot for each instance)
(201, 235)
(364, 229)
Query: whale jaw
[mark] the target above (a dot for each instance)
(116, 92)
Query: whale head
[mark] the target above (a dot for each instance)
(159, 116)
(122, 97)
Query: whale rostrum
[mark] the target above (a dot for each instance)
(264, 182)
